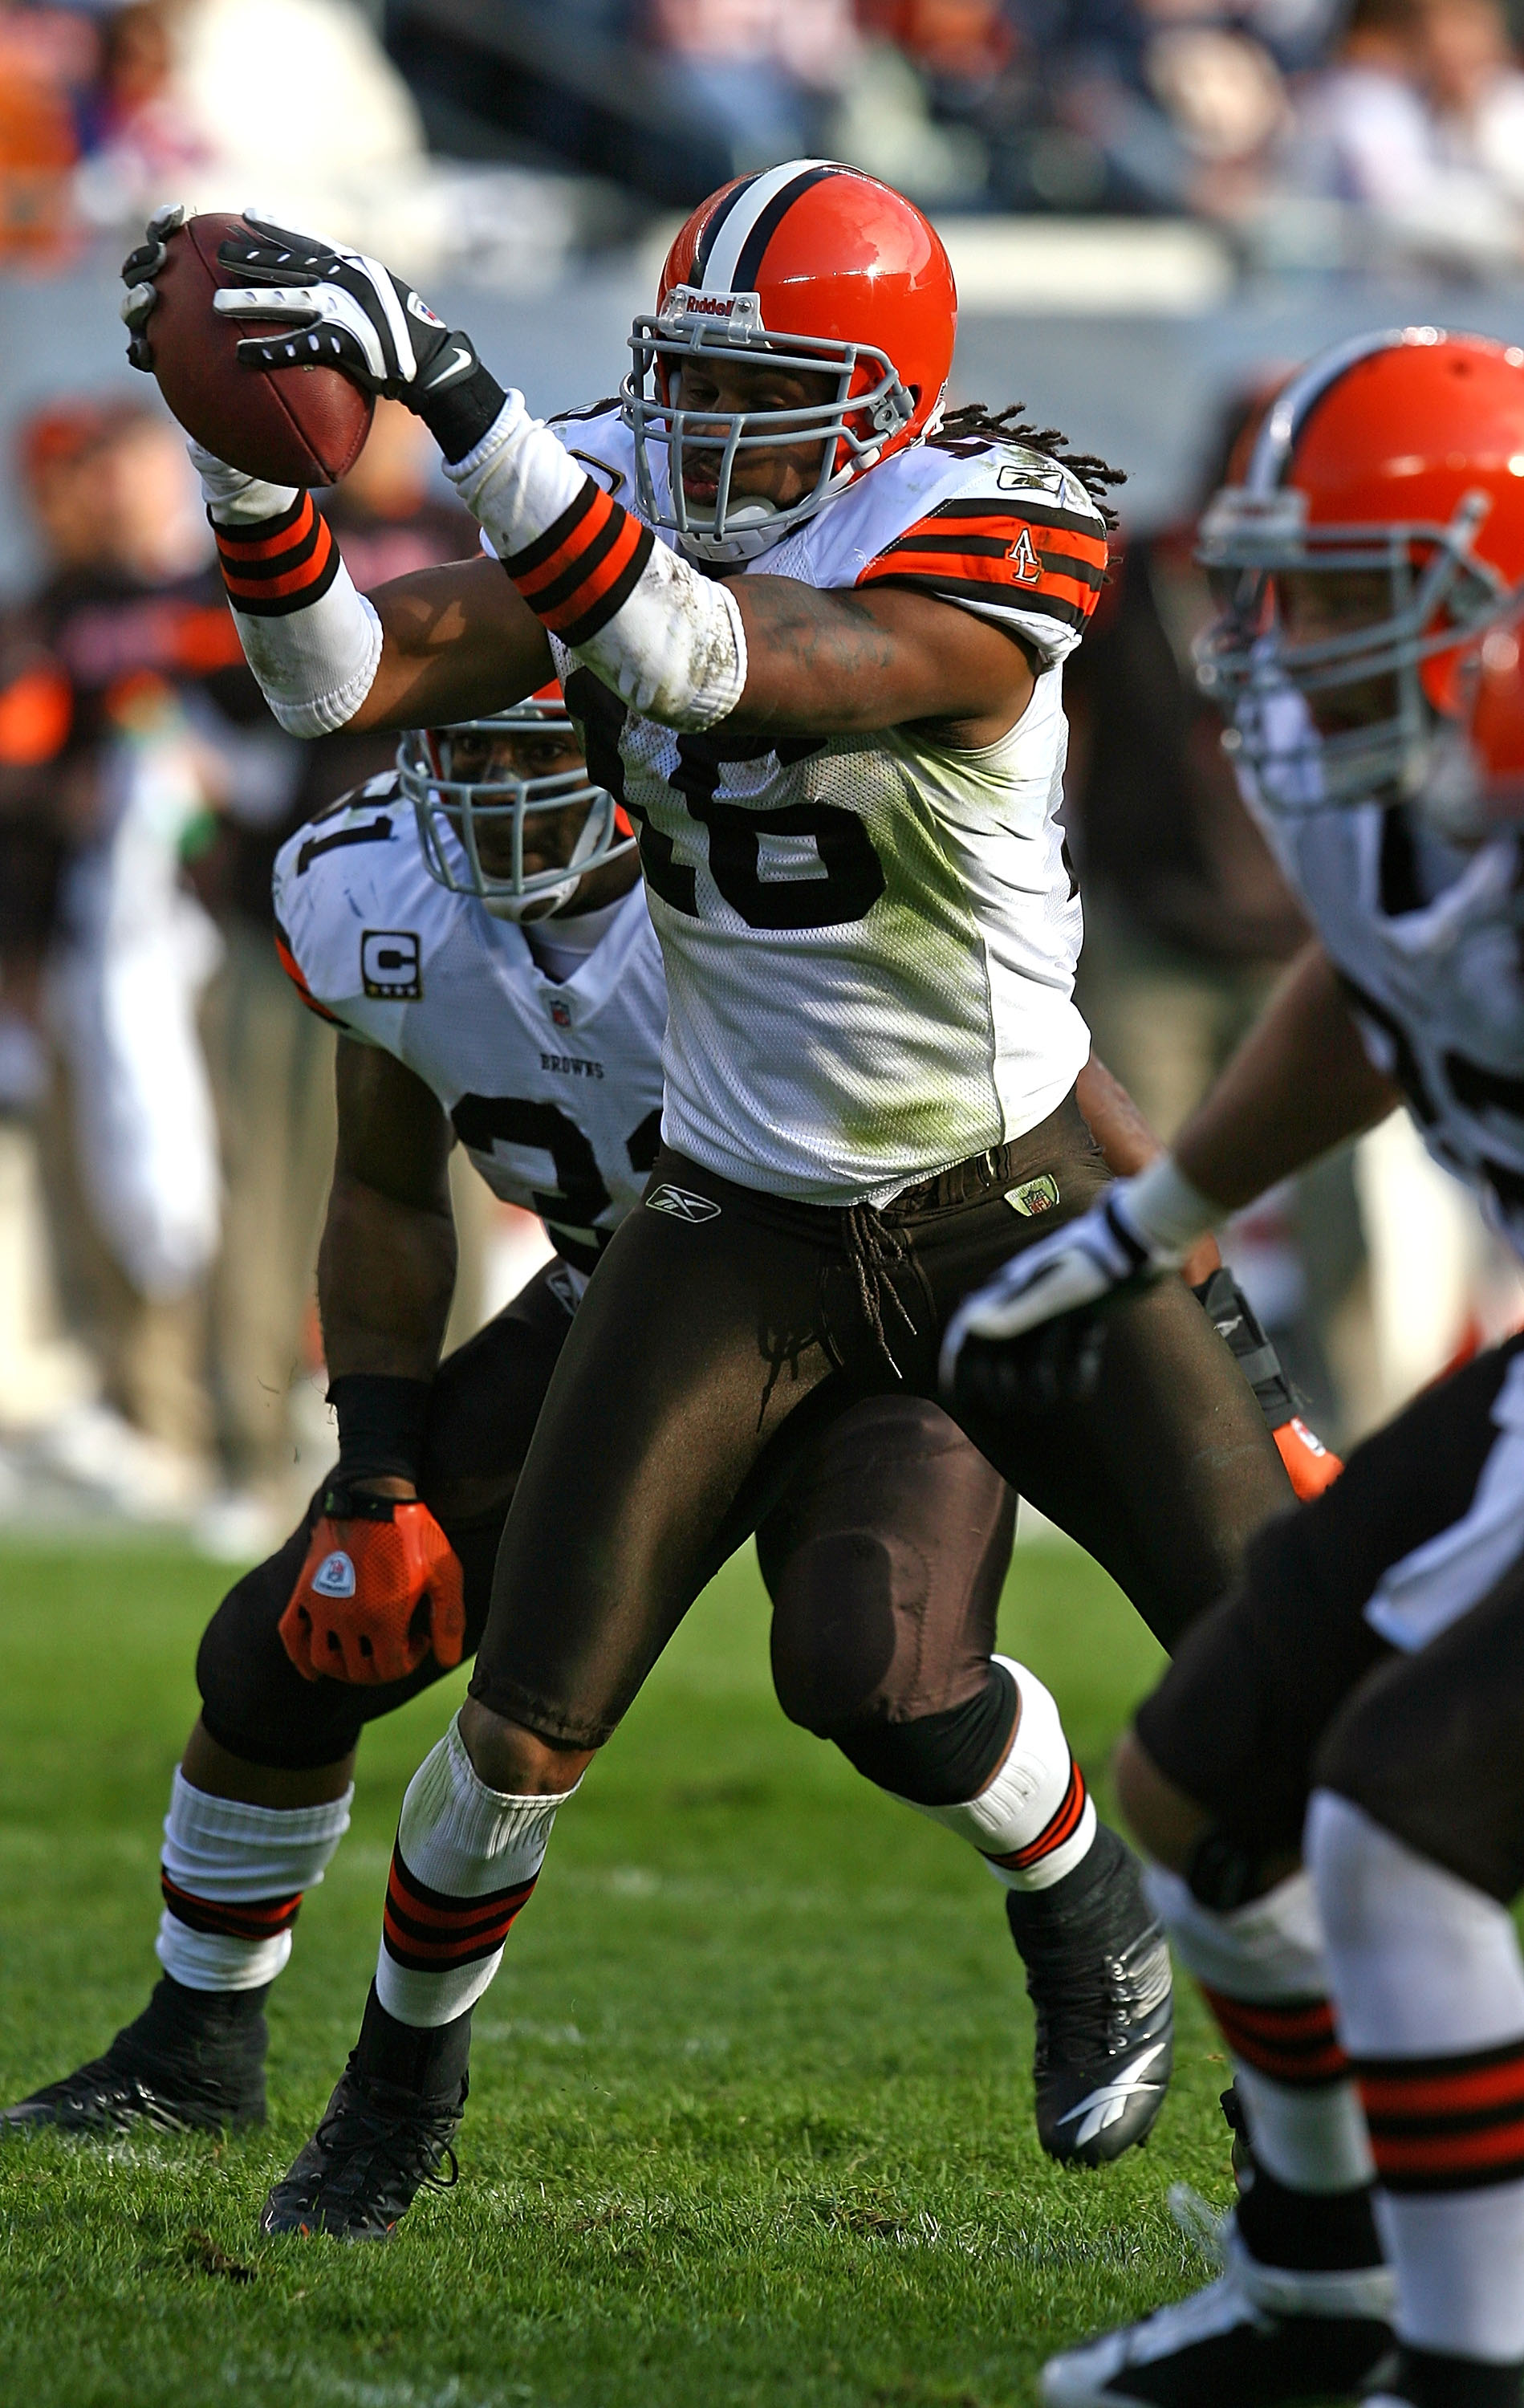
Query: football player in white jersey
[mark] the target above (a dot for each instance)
(470, 923)
(1331, 1775)
(474, 927)
(815, 634)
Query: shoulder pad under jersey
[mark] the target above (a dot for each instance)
(997, 528)
(351, 892)
(599, 441)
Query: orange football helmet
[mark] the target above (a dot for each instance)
(473, 808)
(1400, 452)
(816, 267)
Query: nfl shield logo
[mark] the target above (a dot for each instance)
(1036, 1196)
(561, 1015)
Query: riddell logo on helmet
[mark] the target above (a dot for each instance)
(685, 302)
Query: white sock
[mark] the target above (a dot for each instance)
(1431, 1991)
(465, 1860)
(1033, 1820)
(1262, 1972)
(233, 1878)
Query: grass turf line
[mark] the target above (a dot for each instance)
(750, 2118)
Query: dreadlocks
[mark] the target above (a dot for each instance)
(974, 426)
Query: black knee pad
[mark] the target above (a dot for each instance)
(940, 1759)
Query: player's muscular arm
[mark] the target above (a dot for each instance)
(1300, 1083)
(386, 1267)
(831, 664)
(457, 642)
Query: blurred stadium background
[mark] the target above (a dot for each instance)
(1152, 206)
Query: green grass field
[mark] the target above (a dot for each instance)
(751, 2118)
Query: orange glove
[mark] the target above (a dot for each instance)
(1313, 1466)
(381, 1584)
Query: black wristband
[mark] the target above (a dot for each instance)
(460, 413)
(380, 1426)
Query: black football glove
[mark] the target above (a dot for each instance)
(1056, 1363)
(350, 312)
(139, 270)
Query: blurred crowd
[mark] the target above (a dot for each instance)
(166, 1101)
(1318, 133)
(1322, 132)
(165, 1104)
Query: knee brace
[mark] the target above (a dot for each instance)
(938, 1758)
(1033, 1821)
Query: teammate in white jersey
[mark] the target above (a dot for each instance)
(1331, 1775)
(817, 663)
(435, 917)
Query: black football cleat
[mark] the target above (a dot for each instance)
(377, 2146)
(1259, 2337)
(1098, 1975)
(193, 2062)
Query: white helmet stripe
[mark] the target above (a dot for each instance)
(1284, 420)
(749, 205)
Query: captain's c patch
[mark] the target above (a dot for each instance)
(391, 966)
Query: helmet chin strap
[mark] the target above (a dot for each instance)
(542, 904)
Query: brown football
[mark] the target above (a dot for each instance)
(296, 425)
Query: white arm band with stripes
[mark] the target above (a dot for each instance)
(311, 641)
(668, 641)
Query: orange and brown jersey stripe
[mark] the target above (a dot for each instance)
(293, 969)
(1449, 2123)
(981, 549)
(279, 564)
(584, 567)
(1293, 2041)
(258, 1919)
(429, 1933)
(1059, 1827)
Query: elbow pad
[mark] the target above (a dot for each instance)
(668, 641)
(311, 641)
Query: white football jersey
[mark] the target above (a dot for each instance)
(870, 941)
(553, 1088)
(1430, 943)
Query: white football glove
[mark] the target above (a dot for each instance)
(1080, 1265)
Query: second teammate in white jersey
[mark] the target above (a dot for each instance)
(817, 659)
(1355, 1706)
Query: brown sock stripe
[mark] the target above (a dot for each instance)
(280, 565)
(1059, 1827)
(584, 567)
(1292, 2039)
(429, 1933)
(1453, 2123)
(259, 1918)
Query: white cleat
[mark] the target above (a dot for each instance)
(1256, 2337)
